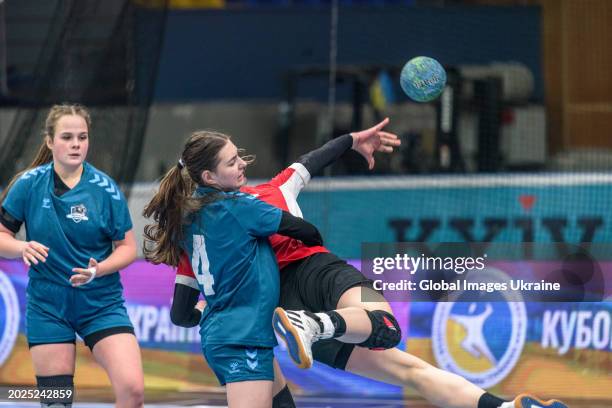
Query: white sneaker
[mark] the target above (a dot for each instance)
(299, 332)
(529, 401)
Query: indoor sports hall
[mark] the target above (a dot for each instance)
(488, 229)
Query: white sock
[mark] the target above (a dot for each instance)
(328, 326)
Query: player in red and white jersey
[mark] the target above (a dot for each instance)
(282, 192)
(321, 312)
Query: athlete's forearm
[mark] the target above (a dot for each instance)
(123, 255)
(327, 154)
(297, 228)
(183, 312)
(10, 247)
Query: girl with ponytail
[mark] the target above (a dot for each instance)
(200, 210)
(78, 235)
(44, 154)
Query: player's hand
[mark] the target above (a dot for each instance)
(200, 305)
(33, 252)
(374, 139)
(84, 275)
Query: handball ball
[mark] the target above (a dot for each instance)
(423, 79)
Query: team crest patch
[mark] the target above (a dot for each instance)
(78, 213)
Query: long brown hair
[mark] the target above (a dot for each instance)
(173, 203)
(44, 155)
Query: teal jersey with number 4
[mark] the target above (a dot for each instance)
(227, 243)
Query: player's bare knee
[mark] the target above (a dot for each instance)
(386, 332)
(132, 392)
(137, 396)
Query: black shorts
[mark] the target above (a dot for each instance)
(316, 284)
(91, 339)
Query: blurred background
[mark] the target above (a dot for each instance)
(518, 148)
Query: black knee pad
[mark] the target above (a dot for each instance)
(56, 391)
(283, 399)
(386, 332)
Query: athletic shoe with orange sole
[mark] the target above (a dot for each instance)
(529, 401)
(298, 331)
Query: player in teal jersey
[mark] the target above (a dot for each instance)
(78, 235)
(199, 210)
(315, 283)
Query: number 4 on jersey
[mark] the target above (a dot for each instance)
(201, 266)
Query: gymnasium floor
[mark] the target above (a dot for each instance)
(216, 401)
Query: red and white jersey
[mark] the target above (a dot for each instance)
(282, 192)
(184, 272)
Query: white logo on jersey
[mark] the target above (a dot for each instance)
(78, 213)
(234, 367)
(46, 203)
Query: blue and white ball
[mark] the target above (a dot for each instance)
(423, 79)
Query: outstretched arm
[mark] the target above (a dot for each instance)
(295, 177)
(365, 142)
(318, 159)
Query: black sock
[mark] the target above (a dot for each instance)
(338, 322)
(64, 387)
(489, 401)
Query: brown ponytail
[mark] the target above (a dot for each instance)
(172, 205)
(166, 208)
(44, 155)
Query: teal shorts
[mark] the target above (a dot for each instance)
(55, 312)
(232, 363)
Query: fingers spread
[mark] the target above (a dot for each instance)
(389, 138)
(385, 149)
(382, 124)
